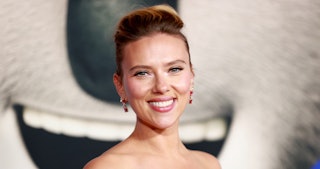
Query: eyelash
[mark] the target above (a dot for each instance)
(173, 70)
(141, 73)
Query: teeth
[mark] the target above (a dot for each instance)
(162, 104)
(214, 129)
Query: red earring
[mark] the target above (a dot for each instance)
(124, 105)
(190, 99)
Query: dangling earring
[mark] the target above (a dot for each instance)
(190, 99)
(123, 101)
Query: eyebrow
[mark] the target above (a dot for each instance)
(148, 67)
(176, 61)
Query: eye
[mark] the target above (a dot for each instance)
(141, 73)
(175, 69)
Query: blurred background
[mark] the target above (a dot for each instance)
(257, 86)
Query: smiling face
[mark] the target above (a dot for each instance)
(157, 79)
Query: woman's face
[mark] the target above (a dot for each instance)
(157, 79)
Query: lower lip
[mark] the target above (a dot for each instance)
(163, 109)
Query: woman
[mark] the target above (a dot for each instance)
(154, 74)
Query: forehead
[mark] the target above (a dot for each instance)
(158, 46)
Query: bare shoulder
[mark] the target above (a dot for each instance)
(114, 158)
(208, 160)
(101, 162)
(107, 161)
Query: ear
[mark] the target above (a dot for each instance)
(117, 81)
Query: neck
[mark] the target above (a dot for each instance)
(164, 141)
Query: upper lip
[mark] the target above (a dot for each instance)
(160, 99)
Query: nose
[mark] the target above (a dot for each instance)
(161, 84)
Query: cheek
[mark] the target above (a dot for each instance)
(135, 89)
(183, 85)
